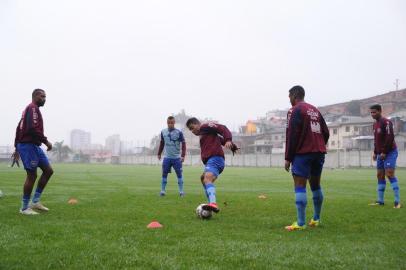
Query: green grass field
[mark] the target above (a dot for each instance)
(107, 228)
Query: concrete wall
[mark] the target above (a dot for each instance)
(334, 159)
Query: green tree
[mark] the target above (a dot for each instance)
(62, 151)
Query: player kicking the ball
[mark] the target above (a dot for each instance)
(212, 137)
(306, 138)
(29, 137)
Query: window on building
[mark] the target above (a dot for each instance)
(347, 129)
(276, 137)
(356, 129)
(334, 131)
(333, 143)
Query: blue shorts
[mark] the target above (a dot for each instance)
(215, 165)
(306, 165)
(389, 162)
(32, 156)
(168, 163)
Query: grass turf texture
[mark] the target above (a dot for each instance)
(107, 228)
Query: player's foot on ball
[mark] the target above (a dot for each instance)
(39, 206)
(377, 204)
(162, 193)
(397, 205)
(211, 207)
(181, 194)
(28, 212)
(314, 223)
(295, 227)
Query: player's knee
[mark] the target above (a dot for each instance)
(31, 175)
(390, 174)
(49, 172)
(209, 177)
(202, 178)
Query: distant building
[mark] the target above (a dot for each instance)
(80, 140)
(350, 132)
(113, 144)
(391, 102)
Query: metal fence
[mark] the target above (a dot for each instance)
(334, 159)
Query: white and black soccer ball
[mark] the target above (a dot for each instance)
(203, 214)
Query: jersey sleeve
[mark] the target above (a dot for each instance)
(183, 142)
(324, 130)
(292, 134)
(220, 130)
(161, 145)
(33, 124)
(16, 137)
(389, 138)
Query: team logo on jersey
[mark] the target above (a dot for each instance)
(313, 114)
(34, 163)
(315, 126)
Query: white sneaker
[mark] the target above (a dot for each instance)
(39, 206)
(28, 212)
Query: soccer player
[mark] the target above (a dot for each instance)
(29, 137)
(306, 138)
(385, 155)
(212, 138)
(14, 162)
(171, 139)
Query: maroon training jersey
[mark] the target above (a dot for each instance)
(306, 131)
(212, 137)
(384, 136)
(30, 129)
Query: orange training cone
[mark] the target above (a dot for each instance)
(154, 225)
(73, 201)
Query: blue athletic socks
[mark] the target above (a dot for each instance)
(381, 190)
(211, 193)
(163, 183)
(180, 184)
(395, 186)
(25, 202)
(37, 195)
(301, 202)
(317, 202)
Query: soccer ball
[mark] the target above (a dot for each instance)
(203, 214)
(1, 194)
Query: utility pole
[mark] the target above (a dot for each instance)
(396, 83)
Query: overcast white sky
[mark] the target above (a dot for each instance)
(124, 66)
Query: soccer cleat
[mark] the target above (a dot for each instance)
(314, 223)
(377, 204)
(397, 205)
(295, 227)
(39, 206)
(162, 193)
(211, 207)
(28, 212)
(181, 194)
